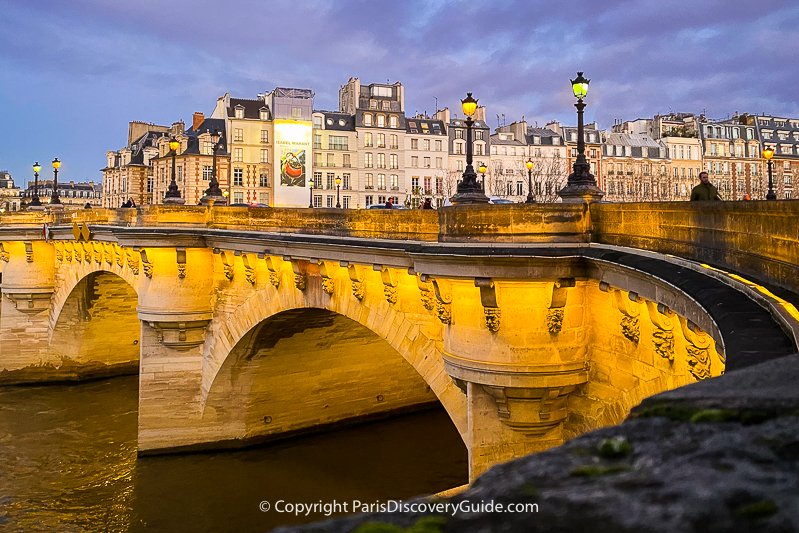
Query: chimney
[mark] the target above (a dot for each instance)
(443, 114)
(480, 113)
(177, 128)
(197, 120)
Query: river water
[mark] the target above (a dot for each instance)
(68, 464)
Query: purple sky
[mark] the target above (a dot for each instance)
(72, 74)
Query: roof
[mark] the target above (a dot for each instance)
(336, 120)
(252, 108)
(208, 125)
(497, 139)
(631, 139)
(425, 126)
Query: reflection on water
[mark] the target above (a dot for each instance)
(68, 463)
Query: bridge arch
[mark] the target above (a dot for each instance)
(409, 343)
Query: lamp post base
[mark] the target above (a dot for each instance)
(213, 200)
(473, 197)
(174, 200)
(581, 193)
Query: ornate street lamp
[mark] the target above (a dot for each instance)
(768, 153)
(310, 201)
(482, 170)
(469, 191)
(580, 186)
(54, 199)
(35, 201)
(529, 165)
(338, 192)
(173, 194)
(213, 194)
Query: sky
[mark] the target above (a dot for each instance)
(74, 73)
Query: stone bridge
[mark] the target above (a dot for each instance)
(528, 324)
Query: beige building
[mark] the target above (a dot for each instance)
(335, 145)
(782, 135)
(456, 135)
(593, 147)
(193, 160)
(249, 142)
(379, 111)
(732, 158)
(128, 172)
(426, 159)
(635, 168)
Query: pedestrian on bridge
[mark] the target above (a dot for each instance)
(705, 191)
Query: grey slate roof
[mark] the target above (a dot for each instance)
(208, 125)
(252, 108)
(336, 120)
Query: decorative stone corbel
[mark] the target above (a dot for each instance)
(77, 251)
(698, 349)
(531, 411)
(227, 263)
(146, 265)
(5, 256)
(58, 247)
(67, 252)
(488, 299)
(108, 253)
(273, 265)
(133, 261)
(662, 332)
(356, 279)
(326, 270)
(425, 292)
(443, 292)
(180, 257)
(118, 253)
(628, 305)
(87, 252)
(181, 336)
(249, 267)
(300, 269)
(557, 304)
(29, 252)
(98, 252)
(30, 302)
(389, 278)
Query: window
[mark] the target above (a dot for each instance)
(207, 172)
(337, 142)
(367, 139)
(381, 121)
(459, 134)
(478, 149)
(264, 136)
(238, 197)
(381, 182)
(428, 185)
(367, 119)
(394, 182)
(264, 155)
(346, 161)
(372, 104)
(180, 173)
(369, 200)
(438, 146)
(478, 135)
(331, 180)
(393, 163)
(238, 177)
(439, 185)
(239, 112)
(150, 184)
(381, 160)
(519, 188)
(386, 105)
(296, 112)
(331, 160)
(317, 200)
(392, 121)
(460, 166)
(439, 162)
(238, 135)
(426, 144)
(317, 122)
(238, 154)
(414, 161)
(345, 202)
(263, 198)
(426, 162)
(414, 144)
(263, 180)
(381, 140)
(414, 184)
(329, 201)
(458, 148)
(367, 160)
(393, 142)
(369, 182)
(317, 141)
(345, 181)
(317, 180)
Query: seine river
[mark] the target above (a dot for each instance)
(68, 463)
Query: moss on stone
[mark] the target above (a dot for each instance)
(614, 447)
(598, 470)
(714, 415)
(756, 510)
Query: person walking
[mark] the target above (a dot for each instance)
(427, 204)
(389, 204)
(705, 191)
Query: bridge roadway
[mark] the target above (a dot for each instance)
(529, 325)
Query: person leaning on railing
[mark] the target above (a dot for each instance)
(705, 191)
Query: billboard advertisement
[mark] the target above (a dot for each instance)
(293, 160)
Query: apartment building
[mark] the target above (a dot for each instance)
(128, 172)
(732, 157)
(380, 125)
(635, 168)
(456, 151)
(335, 157)
(426, 159)
(193, 160)
(593, 147)
(781, 134)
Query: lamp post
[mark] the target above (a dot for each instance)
(768, 153)
(338, 192)
(54, 199)
(173, 194)
(580, 186)
(35, 201)
(310, 201)
(482, 170)
(213, 195)
(469, 191)
(529, 165)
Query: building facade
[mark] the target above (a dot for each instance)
(782, 135)
(335, 157)
(426, 159)
(635, 168)
(11, 198)
(128, 173)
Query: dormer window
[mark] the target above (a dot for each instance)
(239, 111)
(264, 114)
(367, 119)
(392, 121)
